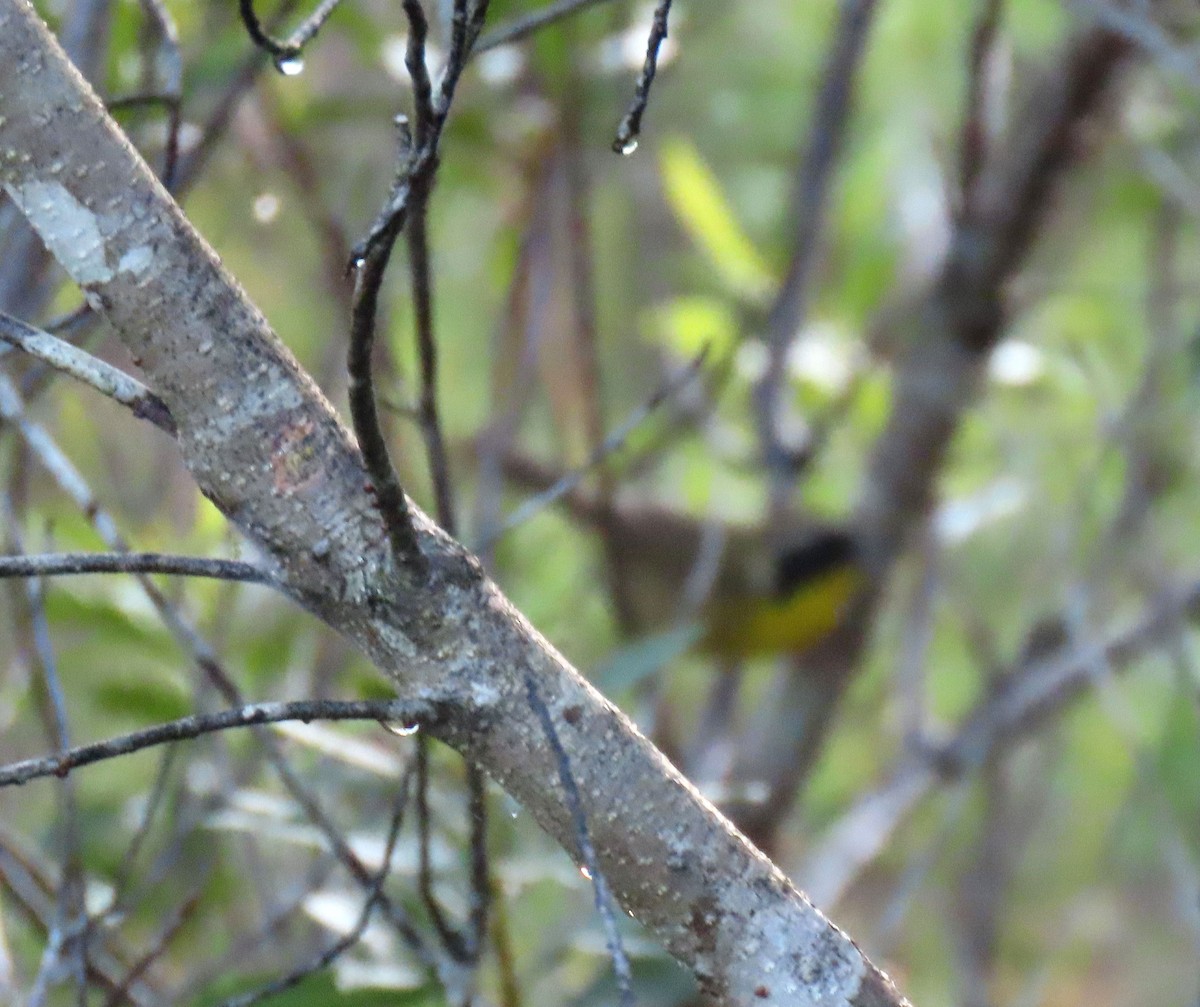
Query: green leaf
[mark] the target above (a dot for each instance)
(689, 324)
(696, 198)
(142, 699)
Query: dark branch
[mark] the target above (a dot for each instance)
(526, 24)
(626, 140)
(56, 564)
(286, 52)
(384, 711)
(343, 944)
(587, 852)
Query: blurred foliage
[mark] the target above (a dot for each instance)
(689, 238)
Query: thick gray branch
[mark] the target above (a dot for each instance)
(265, 446)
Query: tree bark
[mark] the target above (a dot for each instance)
(265, 446)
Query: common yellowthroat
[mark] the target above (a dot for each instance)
(813, 583)
(760, 597)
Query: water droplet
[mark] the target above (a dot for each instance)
(290, 64)
(402, 730)
(627, 147)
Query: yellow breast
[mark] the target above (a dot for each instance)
(767, 625)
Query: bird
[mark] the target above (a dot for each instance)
(755, 591)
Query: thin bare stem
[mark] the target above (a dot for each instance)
(451, 939)
(181, 917)
(524, 25)
(630, 127)
(417, 235)
(611, 444)
(57, 564)
(587, 852)
(64, 954)
(972, 144)
(82, 366)
(389, 494)
(823, 146)
(285, 51)
(375, 897)
(168, 67)
(381, 710)
(423, 160)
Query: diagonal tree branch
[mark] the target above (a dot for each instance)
(265, 446)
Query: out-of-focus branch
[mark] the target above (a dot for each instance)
(1030, 697)
(936, 379)
(810, 199)
(524, 25)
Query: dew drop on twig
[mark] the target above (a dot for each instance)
(290, 65)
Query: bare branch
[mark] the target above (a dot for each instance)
(583, 840)
(611, 444)
(55, 564)
(830, 124)
(1032, 696)
(524, 25)
(381, 710)
(626, 140)
(338, 948)
(82, 366)
(286, 53)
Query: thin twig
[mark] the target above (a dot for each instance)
(423, 161)
(27, 885)
(611, 444)
(1033, 695)
(291, 901)
(808, 212)
(168, 65)
(417, 235)
(972, 144)
(481, 874)
(371, 266)
(56, 564)
(64, 936)
(370, 259)
(82, 366)
(69, 479)
(415, 62)
(375, 897)
(389, 494)
(170, 930)
(286, 52)
(383, 711)
(451, 939)
(524, 25)
(587, 852)
(626, 140)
